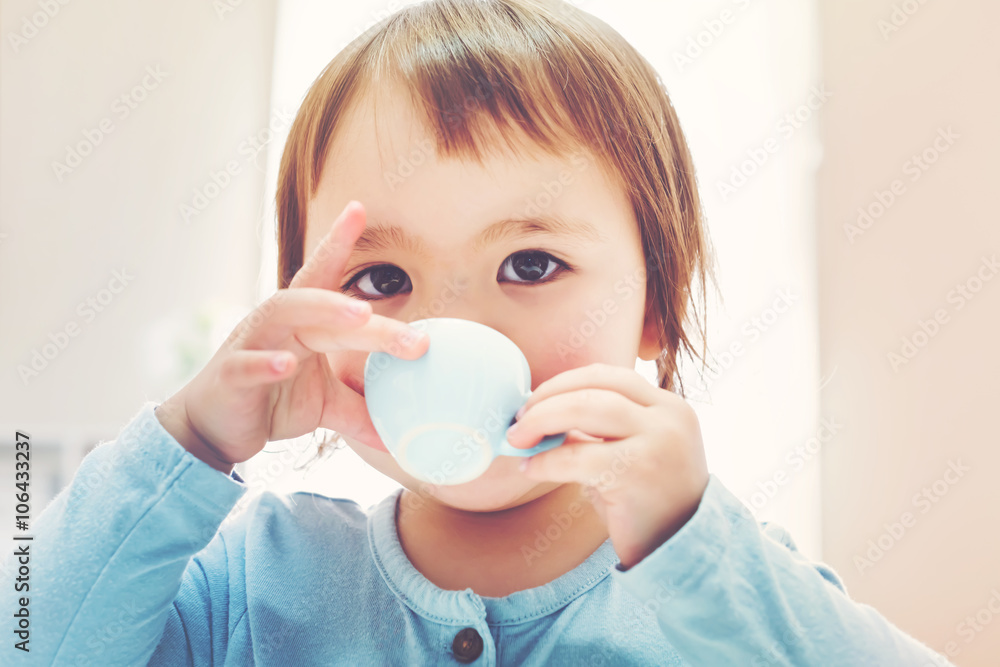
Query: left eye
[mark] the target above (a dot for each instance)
(527, 267)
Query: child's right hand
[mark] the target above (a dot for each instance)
(243, 398)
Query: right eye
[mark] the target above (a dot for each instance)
(378, 282)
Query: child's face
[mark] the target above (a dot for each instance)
(560, 318)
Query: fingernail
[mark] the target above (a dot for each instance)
(520, 412)
(511, 430)
(524, 465)
(411, 336)
(358, 307)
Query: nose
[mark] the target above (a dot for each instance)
(453, 294)
(461, 295)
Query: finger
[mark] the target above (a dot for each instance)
(378, 334)
(598, 412)
(274, 321)
(325, 266)
(622, 380)
(245, 369)
(594, 464)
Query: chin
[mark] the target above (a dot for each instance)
(501, 487)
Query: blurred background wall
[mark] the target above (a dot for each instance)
(133, 146)
(910, 314)
(139, 145)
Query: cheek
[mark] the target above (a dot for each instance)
(348, 366)
(580, 334)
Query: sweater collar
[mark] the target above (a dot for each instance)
(456, 607)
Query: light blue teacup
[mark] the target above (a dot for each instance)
(444, 416)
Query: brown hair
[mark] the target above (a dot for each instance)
(537, 70)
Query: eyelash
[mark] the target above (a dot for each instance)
(563, 267)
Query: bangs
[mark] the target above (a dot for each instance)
(487, 76)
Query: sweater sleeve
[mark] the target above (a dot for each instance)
(727, 590)
(109, 554)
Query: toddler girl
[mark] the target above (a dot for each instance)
(511, 162)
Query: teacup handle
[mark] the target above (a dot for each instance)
(547, 443)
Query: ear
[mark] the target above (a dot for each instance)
(649, 343)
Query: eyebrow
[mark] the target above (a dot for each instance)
(382, 236)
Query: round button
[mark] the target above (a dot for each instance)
(467, 646)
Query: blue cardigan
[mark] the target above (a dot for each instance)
(137, 562)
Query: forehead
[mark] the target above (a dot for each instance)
(383, 154)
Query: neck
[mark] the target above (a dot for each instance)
(498, 553)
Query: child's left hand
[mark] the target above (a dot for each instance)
(647, 475)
